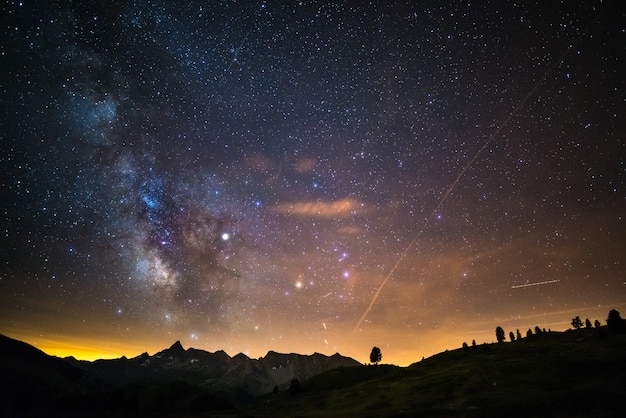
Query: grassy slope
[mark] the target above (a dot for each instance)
(556, 374)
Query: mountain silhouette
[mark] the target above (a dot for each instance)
(175, 350)
(576, 373)
(209, 381)
(28, 375)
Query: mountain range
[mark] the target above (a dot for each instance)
(576, 373)
(32, 381)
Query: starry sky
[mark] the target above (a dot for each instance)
(309, 176)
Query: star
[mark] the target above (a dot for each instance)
(414, 173)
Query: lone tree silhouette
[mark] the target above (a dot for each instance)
(587, 323)
(375, 355)
(499, 334)
(511, 336)
(577, 323)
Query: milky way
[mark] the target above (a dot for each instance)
(246, 175)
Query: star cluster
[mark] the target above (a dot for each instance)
(309, 176)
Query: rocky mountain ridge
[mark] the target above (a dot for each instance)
(212, 371)
(24, 367)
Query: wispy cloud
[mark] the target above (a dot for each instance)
(342, 208)
(305, 165)
(350, 230)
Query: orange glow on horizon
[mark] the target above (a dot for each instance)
(81, 351)
(81, 348)
(399, 346)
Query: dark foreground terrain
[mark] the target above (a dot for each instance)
(571, 374)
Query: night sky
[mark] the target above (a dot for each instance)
(309, 176)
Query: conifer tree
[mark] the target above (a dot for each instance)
(499, 334)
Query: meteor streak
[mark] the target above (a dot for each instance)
(517, 286)
(236, 53)
(467, 166)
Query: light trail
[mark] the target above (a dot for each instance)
(453, 185)
(534, 284)
(237, 53)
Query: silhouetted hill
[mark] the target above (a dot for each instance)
(29, 377)
(571, 374)
(555, 374)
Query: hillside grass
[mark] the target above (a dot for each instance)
(572, 374)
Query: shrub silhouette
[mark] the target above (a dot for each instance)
(511, 336)
(519, 335)
(294, 386)
(597, 324)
